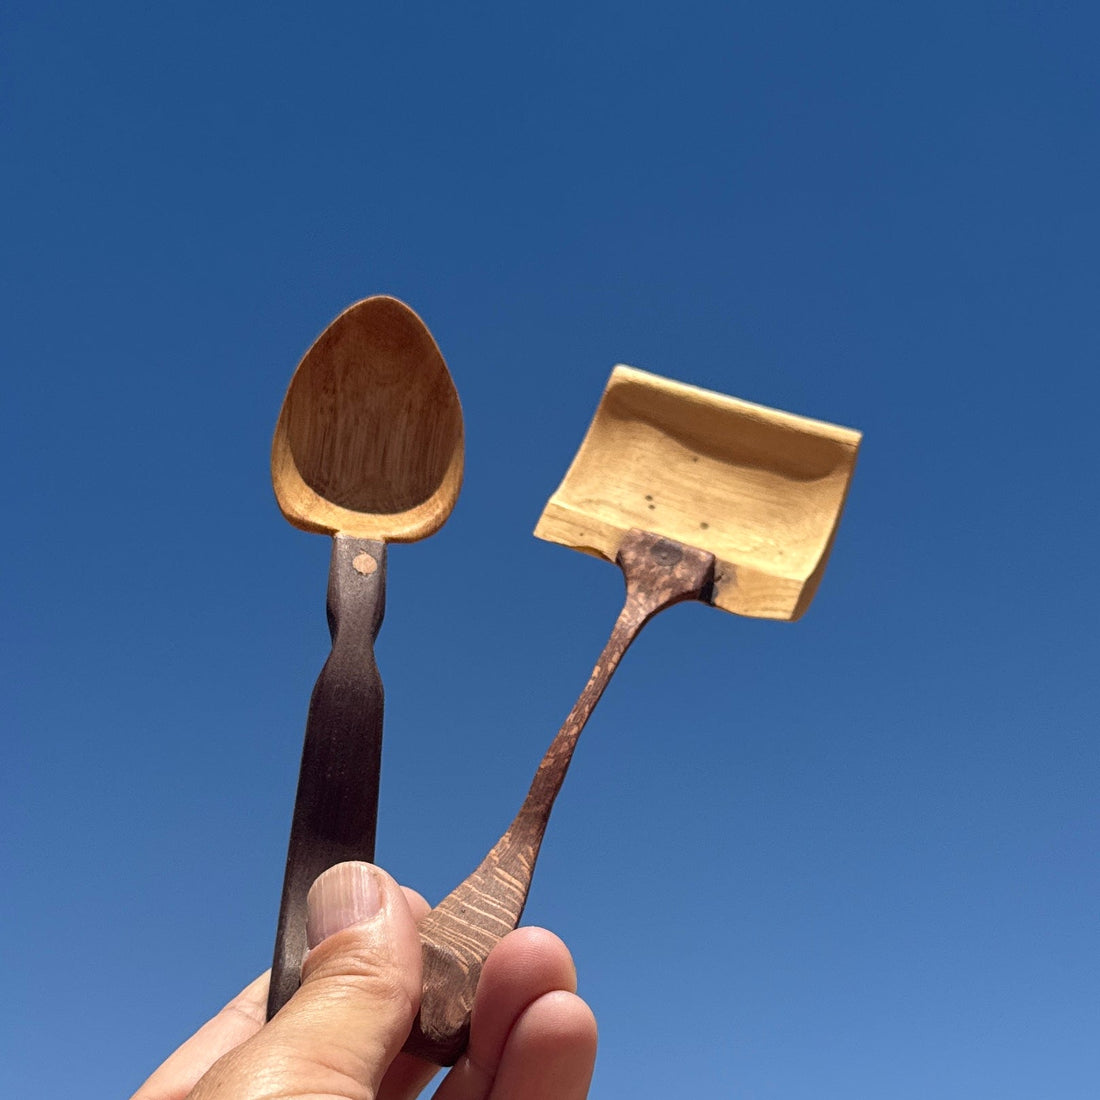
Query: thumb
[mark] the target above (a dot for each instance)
(337, 1035)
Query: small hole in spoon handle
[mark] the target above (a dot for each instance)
(458, 934)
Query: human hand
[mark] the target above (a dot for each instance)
(340, 1036)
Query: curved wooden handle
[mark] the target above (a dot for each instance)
(458, 934)
(336, 808)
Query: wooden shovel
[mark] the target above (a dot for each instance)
(695, 496)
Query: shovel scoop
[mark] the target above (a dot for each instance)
(758, 489)
(696, 496)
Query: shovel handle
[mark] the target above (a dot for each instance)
(336, 807)
(458, 934)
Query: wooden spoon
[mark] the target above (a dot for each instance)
(695, 496)
(369, 449)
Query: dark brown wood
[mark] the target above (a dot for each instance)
(458, 934)
(336, 808)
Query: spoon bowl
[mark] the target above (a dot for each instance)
(369, 441)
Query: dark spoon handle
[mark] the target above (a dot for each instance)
(336, 808)
(458, 934)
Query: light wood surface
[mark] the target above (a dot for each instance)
(369, 442)
(762, 490)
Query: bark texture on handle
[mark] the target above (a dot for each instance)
(336, 808)
(458, 934)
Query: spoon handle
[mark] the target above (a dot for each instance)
(336, 808)
(458, 934)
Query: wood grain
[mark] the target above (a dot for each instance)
(369, 441)
(458, 934)
(760, 489)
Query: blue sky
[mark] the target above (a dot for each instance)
(854, 856)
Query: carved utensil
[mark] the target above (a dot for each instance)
(694, 495)
(368, 448)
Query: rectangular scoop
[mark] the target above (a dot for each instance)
(761, 490)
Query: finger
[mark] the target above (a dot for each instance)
(360, 990)
(525, 966)
(406, 1078)
(409, 1075)
(550, 1053)
(238, 1021)
(418, 904)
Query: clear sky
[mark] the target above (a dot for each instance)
(856, 856)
